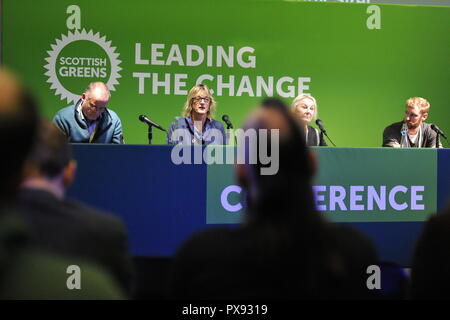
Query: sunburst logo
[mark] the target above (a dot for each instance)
(78, 58)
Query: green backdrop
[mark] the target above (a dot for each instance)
(361, 77)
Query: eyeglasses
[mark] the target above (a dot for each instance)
(199, 99)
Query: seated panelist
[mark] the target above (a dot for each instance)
(197, 126)
(412, 131)
(305, 107)
(89, 121)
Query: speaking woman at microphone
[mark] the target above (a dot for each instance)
(305, 108)
(197, 126)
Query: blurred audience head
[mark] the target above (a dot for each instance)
(430, 272)
(281, 196)
(50, 158)
(18, 121)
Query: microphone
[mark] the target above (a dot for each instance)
(320, 125)
(322, 129)
(150, 122)
(227, 121)
(437, 130)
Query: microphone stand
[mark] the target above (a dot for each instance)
(437, 140)
(150, 134)
(150, 124)
(438, 135)
(230, 126)
(325, 133)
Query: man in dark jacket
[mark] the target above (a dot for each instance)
(412, 132)
(25, 271)
(68, 227)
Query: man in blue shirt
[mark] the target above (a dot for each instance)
(89, 121)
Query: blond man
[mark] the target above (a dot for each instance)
(412, 131)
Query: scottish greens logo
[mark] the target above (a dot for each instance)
(78, 58)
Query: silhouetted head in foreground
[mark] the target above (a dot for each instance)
(50, 165)
(285, 250)
(18, 121)
(286, 197)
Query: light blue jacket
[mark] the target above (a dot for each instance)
(75, 128)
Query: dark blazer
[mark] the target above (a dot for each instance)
(315, 138)
(392, 136)
(75, 230)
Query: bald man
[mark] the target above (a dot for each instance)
(89, 121)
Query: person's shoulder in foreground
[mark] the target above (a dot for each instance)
(64, 226)
(26, 273)
(78, 228)
(29, 273)
(430, 275)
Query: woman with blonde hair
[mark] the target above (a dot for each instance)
(305, 108)
(197, 126)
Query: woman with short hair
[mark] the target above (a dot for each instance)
(305, 108)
